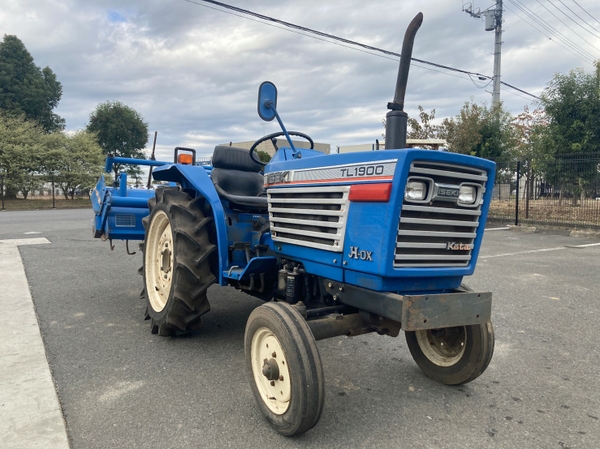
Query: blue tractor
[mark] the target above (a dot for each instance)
(339, 244)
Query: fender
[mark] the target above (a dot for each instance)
(192, 177)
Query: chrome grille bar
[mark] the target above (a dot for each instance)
(431, 257)
(439, 233)
(426, 233)
(462, 176)
(313, 217)
(427, 221)
(442, 210)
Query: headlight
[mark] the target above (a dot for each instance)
(467, 194)
(415, 191)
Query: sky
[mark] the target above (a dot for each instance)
(192, 69)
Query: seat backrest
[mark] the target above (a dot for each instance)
(235, 172)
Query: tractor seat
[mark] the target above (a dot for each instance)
(237, 179)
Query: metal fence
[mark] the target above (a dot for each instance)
(36, 191)
(563, 190)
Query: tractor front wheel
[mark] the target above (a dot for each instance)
(284, 366)
(177, 254)
(453, 355)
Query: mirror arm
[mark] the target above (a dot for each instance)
(287, 136)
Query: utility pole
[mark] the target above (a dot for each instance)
(493, 22)
(497, 51)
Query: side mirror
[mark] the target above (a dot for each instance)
(267, 101)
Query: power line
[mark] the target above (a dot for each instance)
(520, 90)
(349, 43)
(556, 41)
(517, 94)
(557, 34)
(549, 28)
(482, 86)
(530, 13)
(578, 16)
(561, 21)
(390, 55)
(583, 9)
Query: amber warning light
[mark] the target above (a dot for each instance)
(379, 193)
(186, 159)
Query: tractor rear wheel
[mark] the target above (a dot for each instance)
(177, 262)
(285, 369)
(453, 355)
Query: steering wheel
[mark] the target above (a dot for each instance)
(271, 136)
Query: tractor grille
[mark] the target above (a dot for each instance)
(440, 232)
(125, 221)
(314, 217)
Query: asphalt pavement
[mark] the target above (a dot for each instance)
(119, 386)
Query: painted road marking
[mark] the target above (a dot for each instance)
(30, 413)
(583, 246)
(558, 248)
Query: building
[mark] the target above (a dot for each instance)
(267, 146)
(430, 144)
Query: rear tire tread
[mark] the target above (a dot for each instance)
(192, 275)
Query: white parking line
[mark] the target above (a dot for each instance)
(30, 413)
(583, 246)
(558, 248)
(523, 252)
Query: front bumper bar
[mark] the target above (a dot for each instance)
(417, 312)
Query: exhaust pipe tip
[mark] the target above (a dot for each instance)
(396, 119)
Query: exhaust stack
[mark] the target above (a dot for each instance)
(396, 119)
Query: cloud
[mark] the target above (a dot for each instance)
(192, 71)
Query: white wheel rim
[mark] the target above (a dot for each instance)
(276, 394)
(159, 261)
(441, 350)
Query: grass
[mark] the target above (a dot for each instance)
(46, 203)
(586, 213)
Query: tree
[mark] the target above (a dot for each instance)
(73, 161)
(572, 104)
(530, 149)
(480, 131)
(263, 156)
(426, 129)
(529, 127)
(25, 89)
(120, 131)
(21, 153)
